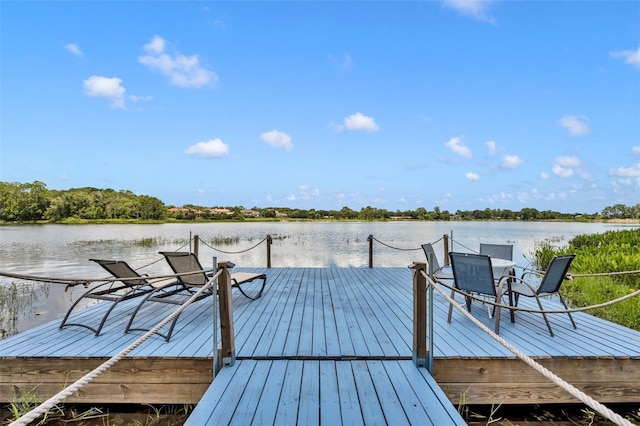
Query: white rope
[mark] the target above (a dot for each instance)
(89, 377)
(576, 393)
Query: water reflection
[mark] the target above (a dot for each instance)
(64, 250)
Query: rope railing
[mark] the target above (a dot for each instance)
(89, 377)
(572, 390)
(234, 252)
(400, 248)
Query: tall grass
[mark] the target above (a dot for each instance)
(15, 299)
(610, 253)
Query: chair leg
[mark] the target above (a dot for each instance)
(453, 296)
(496, 314)
(544, 315)
(239, 286)
(568, 313)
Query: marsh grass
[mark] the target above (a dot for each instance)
(86, 415)
(15, 300)
(610, 252)
(147, 242)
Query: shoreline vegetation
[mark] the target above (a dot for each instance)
(33, 203)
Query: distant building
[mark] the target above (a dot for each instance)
(221, 211)
(250, 213)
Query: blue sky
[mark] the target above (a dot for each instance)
(308, 104)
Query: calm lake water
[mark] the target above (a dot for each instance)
(64, 250)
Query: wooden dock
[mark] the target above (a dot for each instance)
(320, 329)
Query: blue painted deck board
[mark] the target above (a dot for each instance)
(313, 392)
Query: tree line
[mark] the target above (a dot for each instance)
(29, 202)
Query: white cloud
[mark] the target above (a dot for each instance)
(358, 121)
(628, 172)
(544, 176)
(491, 145)
(472, 176)
(73, 48)
(184, 71)
(105, 87)
(569, 161)
(576, 126)
(562, 172)
(277, 139)
(511, 161)
(635, 150)
(631, 57)
(214, 148)
(456, 145)
(477, 9)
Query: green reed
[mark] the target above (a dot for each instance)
(610, 252)
(15, 299)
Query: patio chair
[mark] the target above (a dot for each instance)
(428, 251)
(193, 277)
(550, 284)
(501, 251)
(129, 285)
(473, 275)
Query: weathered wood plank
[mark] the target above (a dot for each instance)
(308, 410)
(329, 394)
(287, 412)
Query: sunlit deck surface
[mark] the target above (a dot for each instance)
(327, 342)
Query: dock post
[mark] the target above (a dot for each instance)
(269, 241)
(431, 261)
(370, 239)
(419, 314)
(216, 364)
(445, 239)
(196, 245)
(228, 344)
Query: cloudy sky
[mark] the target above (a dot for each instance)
(309, 104)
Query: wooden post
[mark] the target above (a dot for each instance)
(419, 315)
(269, 241)
(228, 349)
(196, 245)
(370, 239)
(445, 239)
(214, 307)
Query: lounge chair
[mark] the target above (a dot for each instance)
(550, 284)
(193, 277)
(129, 285)
(472, 275)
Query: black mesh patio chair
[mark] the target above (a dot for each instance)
(502, 251)
(192, 277)
(129, 285)
(549, 285)
(428, 251)
(473, 275)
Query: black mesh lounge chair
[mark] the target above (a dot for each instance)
(188, 284)
(114, 291)
(473, 274)
(549, 285)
